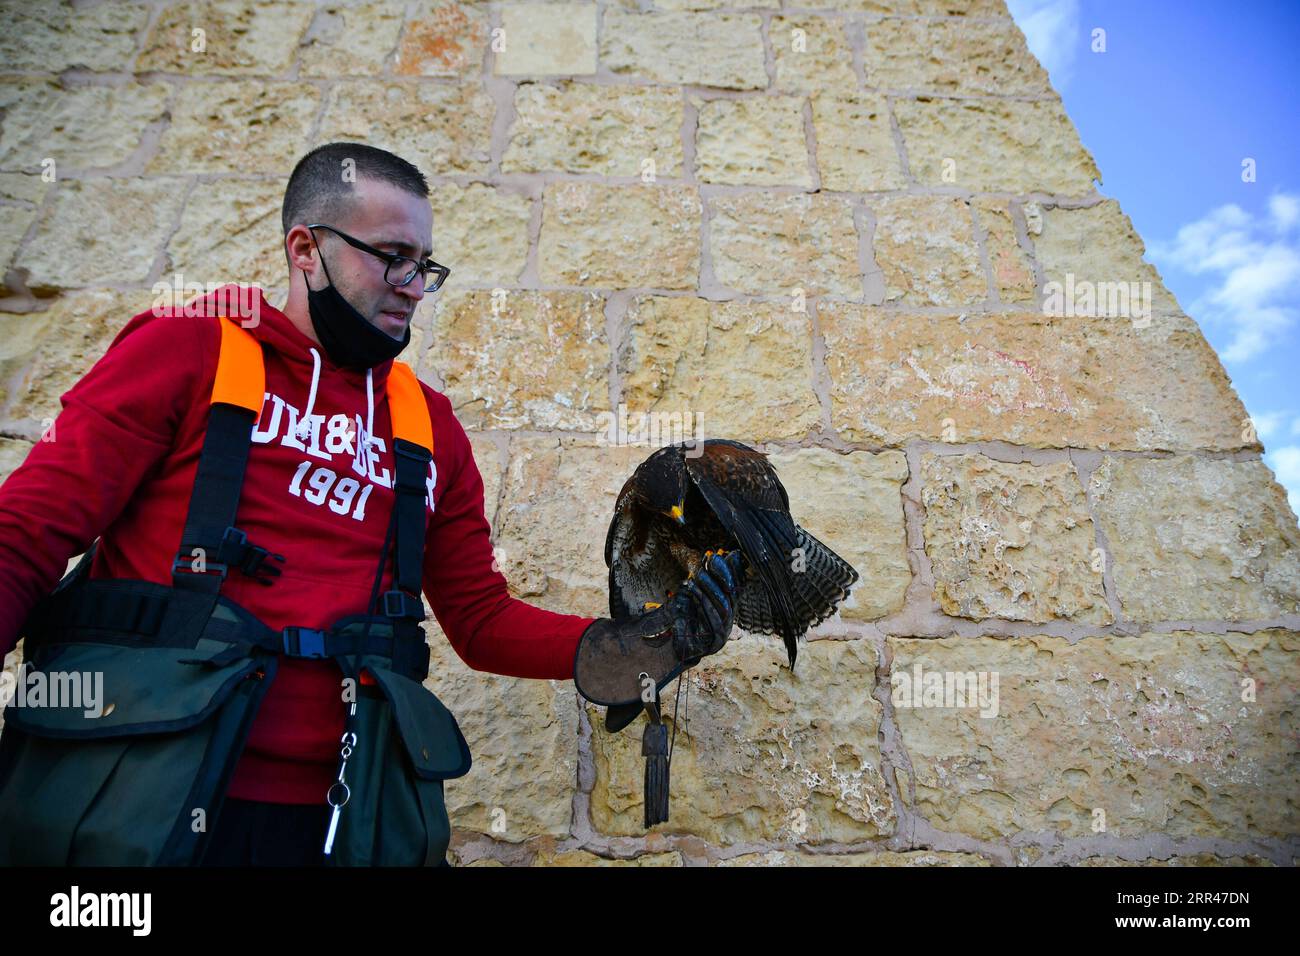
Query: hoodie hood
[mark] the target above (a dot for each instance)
(273, 328)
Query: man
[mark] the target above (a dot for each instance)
(317, 492)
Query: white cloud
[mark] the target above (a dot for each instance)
(1285, 210)
(1255, 262)
(1267, 424)
(1051, 29)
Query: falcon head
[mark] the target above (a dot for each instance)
(662, 482)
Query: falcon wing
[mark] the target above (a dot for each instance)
(749, 500)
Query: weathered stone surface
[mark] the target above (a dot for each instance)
(1011, 541)
(926, 249)
(1194, 538)
(522, 736)
(687, 49)
(853, 504)
(1013, 273)
(773, 244)
(1151, 730)
(559, 496)
(480, 862)
(812, 53)
(1191, 859)
(435, 126)
(707, 4)
(1098, 244)
(855, 145)
(84, 127)
(240, 37)
(925, 8)
(680, 355)
(229, 232)
(480, 232)
(951, 56)
(883, 858)
(523, 359)
(620, 236)
(1018, 378)
(957, 8)
(490, 461)
(43, 354)
(995, 146)
(547, 38)
(119, 225)
(13, 452)
(447, 39)
(14, 223)
(241, 127)
(351, 40)
(56, 36)
(586, 128)
(767, 755)
(23, 187)
(584, 858)
(752, 142)
(454, 858)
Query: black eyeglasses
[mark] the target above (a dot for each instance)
(401, 269)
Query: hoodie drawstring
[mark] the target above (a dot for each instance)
(365, 453)
(303, 431)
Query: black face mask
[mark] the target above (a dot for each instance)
(348, 339)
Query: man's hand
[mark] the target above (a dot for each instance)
(626, 662)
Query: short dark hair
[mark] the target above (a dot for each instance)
(318, 191)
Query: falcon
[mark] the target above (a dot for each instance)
(685, 502)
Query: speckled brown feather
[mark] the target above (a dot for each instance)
(734, 500)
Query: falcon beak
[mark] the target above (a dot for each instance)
(677, 514)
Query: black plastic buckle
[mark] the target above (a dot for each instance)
(400, 604)
(303, 642)
(184, 563)
(248, 558)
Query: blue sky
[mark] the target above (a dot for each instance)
(1183, 93)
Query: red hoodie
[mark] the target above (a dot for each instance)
(121, 466)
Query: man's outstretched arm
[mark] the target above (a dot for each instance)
(489, 629)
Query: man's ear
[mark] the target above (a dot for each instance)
(300, 249)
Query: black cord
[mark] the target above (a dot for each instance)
(372, 607)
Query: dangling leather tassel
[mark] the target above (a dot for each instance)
(654, 747)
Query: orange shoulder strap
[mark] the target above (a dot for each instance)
(241, 376)
(407, 405)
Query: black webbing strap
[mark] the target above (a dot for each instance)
(215, 498)
(135, 608)
(408, 573)
(402, 605)
(209, 526)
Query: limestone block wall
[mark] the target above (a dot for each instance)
(835, 229)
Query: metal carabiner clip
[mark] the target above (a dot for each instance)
(349, 740)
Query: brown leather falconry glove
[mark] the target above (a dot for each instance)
(617, 661)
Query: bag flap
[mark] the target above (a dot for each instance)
(104, 690)
(432, 737)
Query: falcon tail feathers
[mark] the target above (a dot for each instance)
(816, 581)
